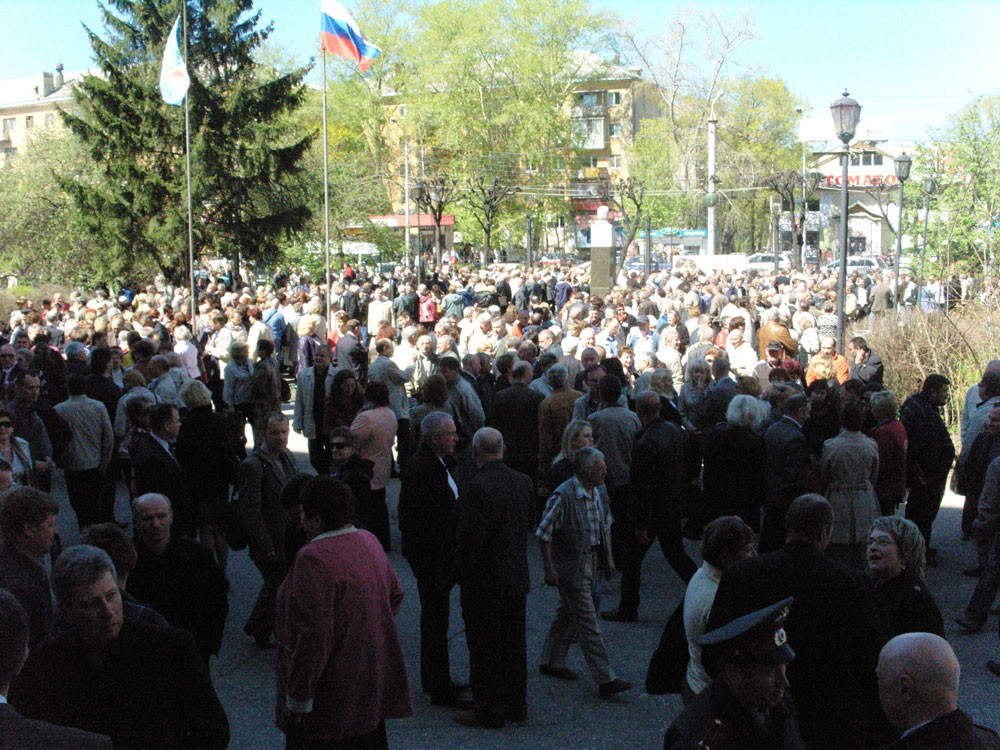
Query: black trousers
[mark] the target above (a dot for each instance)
(402, 442)
(668, 532)
(435, 666)
(621, 529)
(260, 624)
(495, 632)
(772, 528)
(319, 454)
(84, 490)
(374, 517)
(923, 504)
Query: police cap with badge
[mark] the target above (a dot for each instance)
(756, 638)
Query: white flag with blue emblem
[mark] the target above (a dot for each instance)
(174, 80)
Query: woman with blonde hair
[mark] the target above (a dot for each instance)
(896, 559)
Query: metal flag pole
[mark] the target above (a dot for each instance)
(187, 158)
(326, 202)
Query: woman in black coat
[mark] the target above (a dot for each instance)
(733, 451)
(208, 463)
(896, 559)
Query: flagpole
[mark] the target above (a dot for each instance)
(326, 205)
(187, 158)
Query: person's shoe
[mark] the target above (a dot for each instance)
(607, 689)
(562, 673)
(516, 717)
(994, 667)
(616, 615)
(968, 626)
(452, 700)
(973, 572)
(471, 720)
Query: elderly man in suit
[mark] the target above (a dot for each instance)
(16, 732)
(427, 500)
(312, 387)
(142, 685)
(157, 470)
(515, 415)
(28, 526)
(384, 370)
(494, 516)
(787, 457)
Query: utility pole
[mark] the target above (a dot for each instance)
(711, 199)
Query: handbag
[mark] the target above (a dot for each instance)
(231, 526)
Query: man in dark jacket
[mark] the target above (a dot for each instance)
(929, 454)
(787, 456)
(142, 685)
(747, 706)
(426, 502)
(177, 577)
(494, 516)
(515, 415)
(656, 487)
(832, 627)
(157, 470)
(918, 685)
(866, 365)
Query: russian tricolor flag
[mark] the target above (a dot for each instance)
(340, 35)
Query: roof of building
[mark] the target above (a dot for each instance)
(19, 91)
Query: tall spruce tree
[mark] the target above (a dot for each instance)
(245, 159)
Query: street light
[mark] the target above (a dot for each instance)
(419, 193)
(930, 187)
(902, 164)
(846, 112)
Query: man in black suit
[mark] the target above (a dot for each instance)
(156, 469)
(918, 685)
(348, 301)
(832, 627)
(657, 485)
(787, 458)
(28, 525)
(16, 732)
(10, 372)
(350, 352)
(515, 415)
(426, 501)
(142, 685)
(177, 577)
(493, 519)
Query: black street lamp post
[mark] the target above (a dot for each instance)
(846, 114)
(902, 164)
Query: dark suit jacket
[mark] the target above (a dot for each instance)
(832, 627)
(350, 304)
(515, 414)
(426, 504)
(105, 390)
(155, 470)
(7, 381)
(950, 732)
(26, 580)
(18, 733)
(657, 476)
(787, 461)
(493, 520)
(185, 586)
(348, 353)
(152, 692)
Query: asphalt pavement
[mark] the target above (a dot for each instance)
(561, 715)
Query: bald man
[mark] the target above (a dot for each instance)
(494, 515)
(918, 678)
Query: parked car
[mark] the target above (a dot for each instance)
(764, 262)
(855, 263)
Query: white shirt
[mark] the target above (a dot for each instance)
(698, 599)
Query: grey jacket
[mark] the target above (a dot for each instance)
(384, 370)
(303, 421)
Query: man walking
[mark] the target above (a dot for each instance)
(575, 541)
(494, 516)
(312, 387)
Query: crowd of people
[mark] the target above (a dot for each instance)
(511, 403)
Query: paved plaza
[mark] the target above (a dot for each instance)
(562, 715)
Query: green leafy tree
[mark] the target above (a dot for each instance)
(246, 163)
(43, 238)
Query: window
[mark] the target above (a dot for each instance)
(588, 132)
(855, 160)
(402, 110)
(870, 159)
(49, 120)
(9, 153)
(615, 161)
(29, 122)
(877, 160)
(614, 98)
(9, 124)
(588, 98)
(615, 130)
(588, 161)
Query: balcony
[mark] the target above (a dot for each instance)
(592, 110)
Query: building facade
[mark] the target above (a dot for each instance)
(30, 104)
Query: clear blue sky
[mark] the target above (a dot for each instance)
(910, 62)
